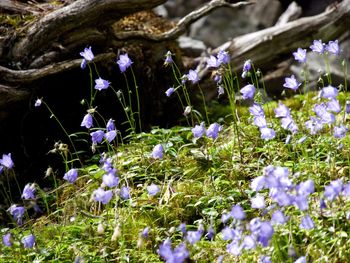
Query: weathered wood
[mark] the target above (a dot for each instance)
(269, 46)
(80, 15)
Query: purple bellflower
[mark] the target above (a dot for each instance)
(213, 130)
(102, 196)
(124, 193)
(124, 62)
(110, 125)
(28, 191)
(28, 241)
(238, 212)
(282, 111)
(110, 136)
(223, 57)
(97, 136)
(6, 161)
(333, 47)
(17, 213)
(169, 91)
(153, 189)
(267, 133)
(300, 55)
(168, 58)
(317, 46)
(339, 131)
(248, 92)
(198, 130)
(6, 240)
(87, 121)
(87, 56)
(291, 83)
(213, 62)
(71, 175)
(110, 179)
(101, 84)
(193, 76)
(306, 223)
(329, 92)
(157, 152)
(256, 110)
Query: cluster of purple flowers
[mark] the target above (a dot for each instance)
(318, 47)
(260, 121)
(212, 131)
(176, 255)
(222, 58)
(325, 113)
(98, 135)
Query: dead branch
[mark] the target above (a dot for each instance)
(183, 24)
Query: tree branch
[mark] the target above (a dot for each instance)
(80, 14)
(25, 76)
(183, 24)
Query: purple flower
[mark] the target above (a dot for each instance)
(282, 111)
(6, 161)
(339, 131)
(248, 243)
(247, 65)
(347, 107)
(213, 130)
(87, 121)
(28, 191)
(301, 202)
(178, 255)
(323, 114)
(193, 76)
(265, 233)
(87, 54)
(168, 58)
(291, 83)
(289, 124)
(17, 212)
(124, 193)
(217, 78)
(212, 62)
(260, 121)
(234, 248)
(264, 259)
(83, 63)
(38, 103)
(258, 183)
(256, 110)
(169, 91)
(258, 202)
(145, 232)
(248, 91)
(157, 152)
(153, 189)
(71, 175)
(333, 105)
(97, 136)
(314, 125)
(110, 125)
(317, 46)
(6, 240)
(193, 236)
(300, 260)
(267, 133)
(223, 57)
(124, 62)
(333, 47)
(110, 135)
(278, 217)
(102, 196)
(238, 212)
(198, 130)
(101, 84)
(300, 55)
(110, 179)
(329, 92)
(305, 188)
(333, 190)
(28, 241)
(228, 233)
(306, 223)
(182, 228)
